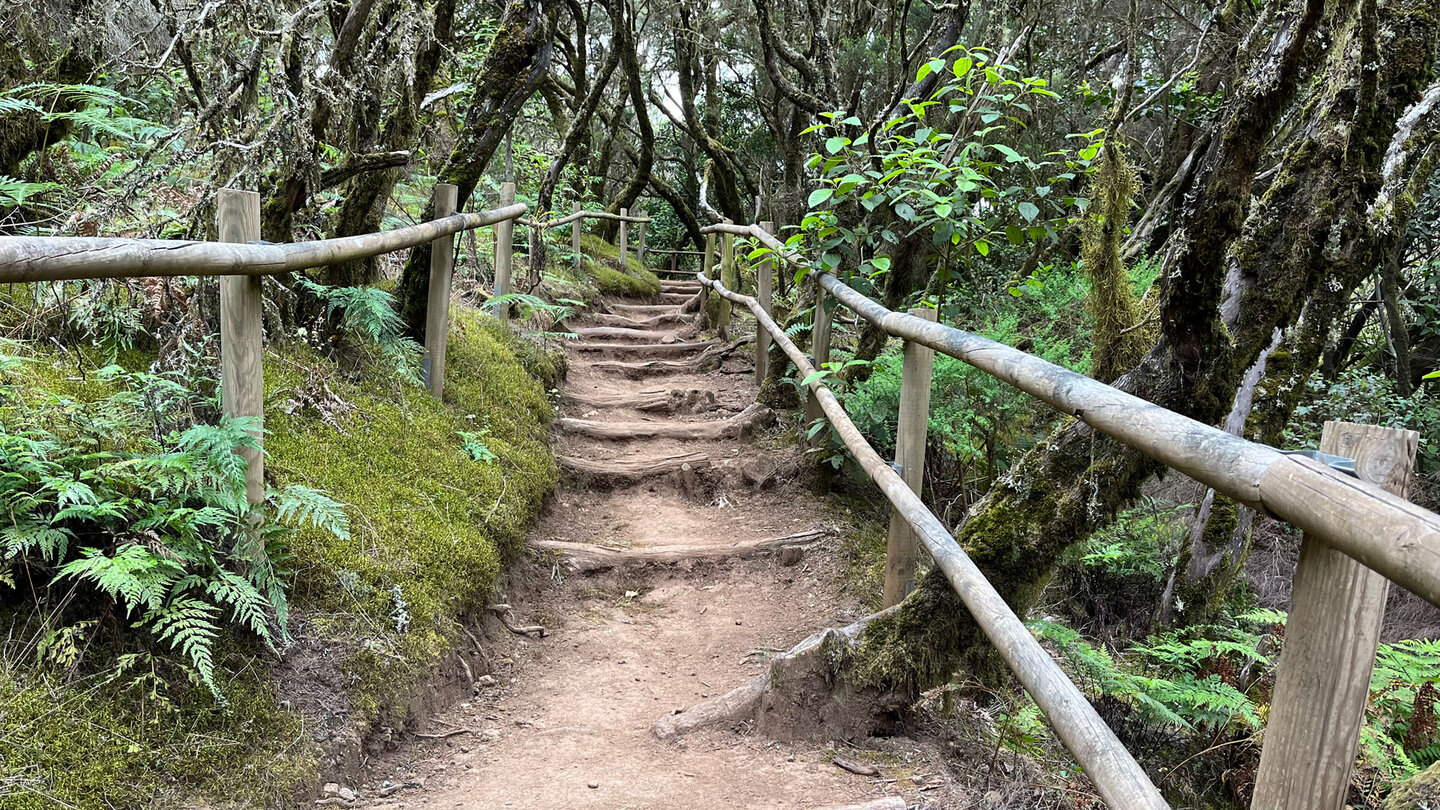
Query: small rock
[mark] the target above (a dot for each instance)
(484, 681)
(670, 338)
(331, 789)
(346, 794)
(791, 555)
(593, 784)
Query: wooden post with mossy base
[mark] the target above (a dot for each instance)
(640, 237)
(504, 251)
(242, 353)
(824, 314)
(575, 228)
(727, 263)
(437, 310)
(707, 268)
(910, 458)
(624, 238)
(764, 279)
(1337, 608)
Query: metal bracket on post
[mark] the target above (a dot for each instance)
(1334, 462)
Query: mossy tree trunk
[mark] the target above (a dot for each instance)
(1210, 332)
(367, 194)
(515, 65)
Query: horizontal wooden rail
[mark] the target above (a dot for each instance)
(58, 258)
(679, 252)
(1383, 531)
(578, 215)
(1115, 773)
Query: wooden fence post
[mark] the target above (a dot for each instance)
(763, 292)
(640, 237)
(575, 234)
(727, 263)
(504, 250)
(910, 456)
(437, 313)
(707, 268)
(624, 238)
(1336, 611)
(242, 353)
(824, 315)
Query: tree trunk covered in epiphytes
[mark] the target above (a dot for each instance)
(22, 134)
(1323, 192)
(1077, 480)
(635, 83)
(369, 192)
(515, 64)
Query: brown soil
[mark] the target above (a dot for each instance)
(564, 721)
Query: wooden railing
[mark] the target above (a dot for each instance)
(240, 259)
(1357, 534)
(576, 218)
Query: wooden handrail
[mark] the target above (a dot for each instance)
(1116, 775)
(59, 258)
(1383, 531)
(569, 218)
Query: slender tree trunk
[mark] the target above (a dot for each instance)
(515, 64)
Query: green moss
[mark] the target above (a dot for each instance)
(432, 528)
(602, 264)
(90, 744)
(1419, 792)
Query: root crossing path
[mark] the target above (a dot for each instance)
(679, 556)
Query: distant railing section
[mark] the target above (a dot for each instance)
(1358, 532)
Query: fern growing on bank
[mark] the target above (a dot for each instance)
(120, 496)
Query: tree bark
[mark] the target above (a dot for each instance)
(516, 63)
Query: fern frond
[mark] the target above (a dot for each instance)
(298, 505)
(134, 576)
(188, 624)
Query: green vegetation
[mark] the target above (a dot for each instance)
(133, 501)
(433, 526)
(602, 264)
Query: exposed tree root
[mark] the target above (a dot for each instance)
(668, 319)
(637, 370)
(675, 297)
(660, 400)
(622, 332)
(584, 558)
(631, 470)
(798, 696)
(732, 428)
(643, 309)
(644, 349)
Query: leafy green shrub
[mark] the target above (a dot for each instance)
(1113, 580)
(1368, 397)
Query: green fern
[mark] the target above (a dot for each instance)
(300, 505)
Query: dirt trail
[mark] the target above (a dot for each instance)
(567, 721)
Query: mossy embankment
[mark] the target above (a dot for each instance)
(431, 530)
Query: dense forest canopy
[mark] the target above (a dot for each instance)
(1225, 207)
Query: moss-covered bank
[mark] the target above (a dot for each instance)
(432, 528)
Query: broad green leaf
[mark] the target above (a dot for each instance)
(983, 247)
(962, 66)
(820, 195)
(835, 144)
(1029, 211)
